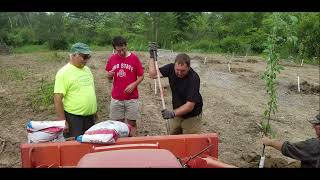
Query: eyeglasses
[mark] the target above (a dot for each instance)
(85, 56)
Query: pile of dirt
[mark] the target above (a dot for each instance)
(197, 58)
(253, 161)
(209, 61)
(237, 60)
(305, 88)
(239, 70)
(251, 61)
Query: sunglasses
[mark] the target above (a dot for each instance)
(85, 56)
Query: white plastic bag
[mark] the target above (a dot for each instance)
(39, 125)
(45, 131)
(106, 132)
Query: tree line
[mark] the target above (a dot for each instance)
(216, 32)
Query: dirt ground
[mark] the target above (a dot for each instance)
(234, 102)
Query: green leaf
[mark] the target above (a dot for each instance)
(293, 19)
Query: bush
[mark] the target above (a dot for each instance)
(183, 46)
(136, 42)
(58, 43)
(256, 41)
(233, 44)
(20, 37)
(205, 45)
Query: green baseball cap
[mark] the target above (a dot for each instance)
(315, 120)
(80, 48)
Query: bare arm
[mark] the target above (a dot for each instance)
(58, 104)
(110, 75)
(138, 81)
(153, 70)
(184, 109)
(133, 85)
(272, 142)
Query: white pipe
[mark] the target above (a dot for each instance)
(261, 164)
(298, 83)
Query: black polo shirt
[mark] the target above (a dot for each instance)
(184, 89)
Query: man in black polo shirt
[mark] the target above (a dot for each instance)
(186, 99)
(307, 151)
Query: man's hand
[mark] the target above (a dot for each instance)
(66, 128)
(152, 49)
(129, 88)
(267, 141)
(166, 114)
(110, 74)
(273, 143)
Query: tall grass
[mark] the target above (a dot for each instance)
(100, 48)
(31, 49)
(55, 56)
(42, 98)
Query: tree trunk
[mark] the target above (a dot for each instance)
(10, 22)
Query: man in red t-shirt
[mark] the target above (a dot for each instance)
(126, 71)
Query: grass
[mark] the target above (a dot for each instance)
(42, 98)
(45, 48)
(55, 56)
(14, 74)
(31, 49)
(100, 48)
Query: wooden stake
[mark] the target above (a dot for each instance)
(155, 86)
(229, 67)
(2, 147)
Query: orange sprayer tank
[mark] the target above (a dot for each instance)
(68, 154)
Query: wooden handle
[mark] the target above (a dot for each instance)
(160, 87)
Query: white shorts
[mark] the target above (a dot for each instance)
(125, 109)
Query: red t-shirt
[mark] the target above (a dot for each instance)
(126, 72)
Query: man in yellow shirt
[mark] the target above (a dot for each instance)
(74, 92)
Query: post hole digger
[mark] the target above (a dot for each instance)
(153, 48)
(186, 113)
